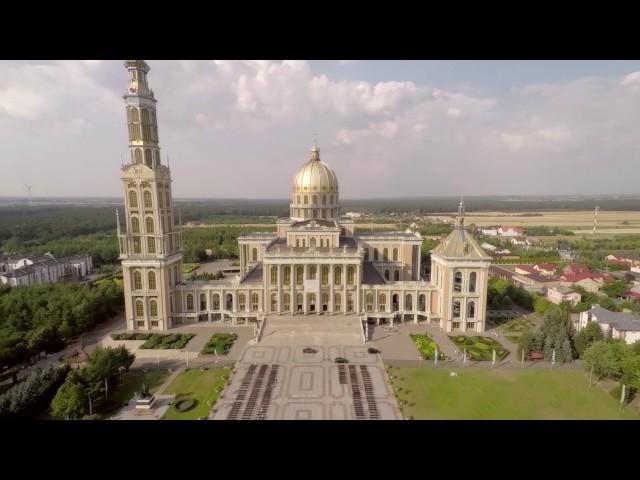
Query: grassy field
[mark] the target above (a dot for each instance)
(568, 220)
(502, 394)
(130, 385)
(203, 386)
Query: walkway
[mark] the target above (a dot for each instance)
(312, 330)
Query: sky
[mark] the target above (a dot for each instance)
(240, 129)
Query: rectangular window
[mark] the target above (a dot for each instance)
(140, 323)
(471, 325)
(154, 323)
(456, 325)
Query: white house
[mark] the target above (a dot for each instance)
(510, 231)
(562, 294)
(490, 232)
(488, 246)
(624, 326)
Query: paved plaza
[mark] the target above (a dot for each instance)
(312, 329)
(282, 382)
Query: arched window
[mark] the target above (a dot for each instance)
(408, 302)
(456, 309)
(324, 199)
(472, 282)
(147, 158)
(375, 254)
(349, 302)
(298, 200)
(148, 224)
(311, 273)
(299, 302)
(274, 275)
(135, 116)
(385, 254)
(287, 275)
(274, 302)
(382, 302)
(242, 301)
(203, 301)
(321, 242)
(254, 302)
(151, 245)
(151, 277)
(337, 275)
(396, 275)
(315, 199)
(395, 254)
(133, 199)
(137, 246)
(229, 302)
(138, 155)
(306, 200)
(160, 199)
(304, 243)
(157, 157)
(366, 254)
(312, 242)
(369, 302)
(386, 275)
(422, 304)
(325, 302)
(153, 308)
(297, 243)
(139, 308)
(299, 275)
(336, 303)
(189, 302)
(168, 198)
(135, 225)
(350, 275)
(145, 115)
(331, 199)
(287, 302)
(315, 213)
(137, 280)
(254, 255)
(216, 301)
(457, 282)
(325, 275)
(147, 199)
(471, 310)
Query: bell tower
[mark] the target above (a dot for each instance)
(151, 245)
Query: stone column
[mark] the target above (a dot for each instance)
(292, 286)
(331, 293)
(344, 286)
(279, 292)
(305, 272)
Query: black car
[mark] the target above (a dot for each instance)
(373, 350)
(309, 350)
(341, 360)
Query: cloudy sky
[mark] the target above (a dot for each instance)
(387, 128)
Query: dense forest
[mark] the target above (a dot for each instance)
(45, 317)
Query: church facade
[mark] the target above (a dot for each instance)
(316, 263)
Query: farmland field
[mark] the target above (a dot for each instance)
(554, 219)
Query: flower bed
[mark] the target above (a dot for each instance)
(159, 341)
(220, 343)
(517, 325)
(427, 347)
(480, 348)
(131, 336)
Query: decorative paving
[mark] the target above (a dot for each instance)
(282, 382)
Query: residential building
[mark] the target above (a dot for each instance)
(561, 294)
(621, 325)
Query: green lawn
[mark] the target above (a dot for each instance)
(130, 385)
(197, 384)
(502, 394)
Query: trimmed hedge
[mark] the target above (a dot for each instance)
(131, 336)
(426, 347)
(480, 348)
(220, 342)
(174, 341)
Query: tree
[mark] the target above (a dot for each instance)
(607, 358)
(70, 401)
(617, 288)
(103, 366)
(591, 333)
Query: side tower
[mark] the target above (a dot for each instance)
(460, 271)
(151, 247)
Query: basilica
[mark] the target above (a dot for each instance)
(316, 263)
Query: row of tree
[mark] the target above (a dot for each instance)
(45, 317)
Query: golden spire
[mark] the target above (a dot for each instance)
(315, 151)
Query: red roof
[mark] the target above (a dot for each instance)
(576, 277)
(526, 268)
(546, 266)
(576, 268)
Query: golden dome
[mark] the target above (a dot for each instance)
(315, 176)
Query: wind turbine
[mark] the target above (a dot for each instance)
(29, 190)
